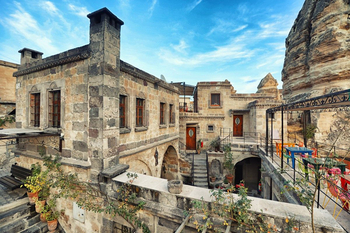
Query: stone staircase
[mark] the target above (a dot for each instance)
(200, 176)
(20, 217)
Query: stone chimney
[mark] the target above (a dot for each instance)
(105, 36)
(29, 56)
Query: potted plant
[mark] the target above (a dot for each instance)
(212, 177)
(199, 144)
(51, 218)
(51, 215)
(215, 144)
(228, 164)
(42, 196)
(34, 183)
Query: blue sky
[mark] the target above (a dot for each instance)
(184, 40)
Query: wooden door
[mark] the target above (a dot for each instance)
(191, 138)
(237, 125)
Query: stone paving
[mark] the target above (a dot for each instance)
(6, 195)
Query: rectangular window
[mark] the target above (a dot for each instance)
(139, 111)
(122, 107)
(215, 100)
(55, 109)
(210, 128)
(162, 109)
(35, 110)
(171, 114)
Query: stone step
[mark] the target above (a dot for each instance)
(199, 175)
(201, 184)
(35, 225)
(200, 171)
(13, 214)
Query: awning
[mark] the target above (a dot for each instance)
(13, 133)
(185, 89)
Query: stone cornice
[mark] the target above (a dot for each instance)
(129, 69)
(9, 64)
(68, 57)
(222, 117)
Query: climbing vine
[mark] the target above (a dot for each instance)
(6, 119)
(227, 209)
(90, 197)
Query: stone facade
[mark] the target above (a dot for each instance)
(317, 50)
(94, 87)
(7, 106)
(215, 120)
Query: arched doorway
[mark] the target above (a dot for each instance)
(170, 166)
(248, 170)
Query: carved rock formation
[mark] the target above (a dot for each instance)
(268, 85)
(317, 50)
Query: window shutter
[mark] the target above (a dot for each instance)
(50, 110)
(173, 118)
(32, 109)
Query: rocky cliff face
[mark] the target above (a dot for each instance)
(317, 57)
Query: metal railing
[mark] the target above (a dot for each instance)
(299, 173)
(224, 132)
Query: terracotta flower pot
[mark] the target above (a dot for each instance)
(43, 217)
(32, 197)
(52, 225)
(39, 205)
(229, 178)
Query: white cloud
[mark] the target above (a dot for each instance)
(23, 24)
(151, 9)
(49, 7)
(81, 11)
(180, 47)
(225, 53)
(194, 5)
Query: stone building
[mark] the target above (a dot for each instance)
(7, 109)
(221, 113)
(7, 88)
(96, 111)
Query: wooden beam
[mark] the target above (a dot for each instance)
(183, 224)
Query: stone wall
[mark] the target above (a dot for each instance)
(8, 82)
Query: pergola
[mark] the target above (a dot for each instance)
(333, 100)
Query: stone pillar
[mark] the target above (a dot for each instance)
(104, 71)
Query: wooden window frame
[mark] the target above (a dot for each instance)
(35, 109)
(122, 111)
(162, 113)
(212, 103)
(140, 109)
(171, 114)
(54, 108)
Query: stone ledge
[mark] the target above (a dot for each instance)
(65, 161)
(124, 130)
(141, 128)
(114, 171)
(162, 126)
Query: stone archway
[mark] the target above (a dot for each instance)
(141, 167)
(170, 165)
(248, 170)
